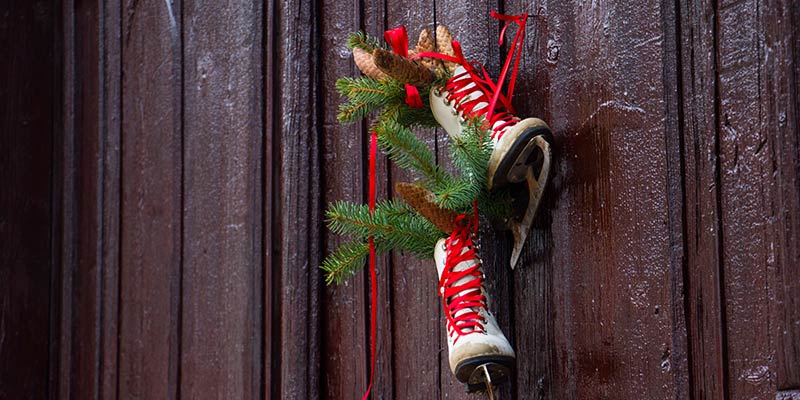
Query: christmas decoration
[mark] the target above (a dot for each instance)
(491, 149)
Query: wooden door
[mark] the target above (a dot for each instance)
(166, 166)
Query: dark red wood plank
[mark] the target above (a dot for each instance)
(270, 241)
(87, 177)
(533, 278)
(787, 191)
(612, 284)
(757, 134)
(111, 118)
(220, 345)
(28, 81)
(150, 265)
(298, 225)
(779, 120)
(704, 311)
(345, 320)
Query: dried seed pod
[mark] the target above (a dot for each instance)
(444, 43)
(403, 69)
(426, 44)
(423, 200)
(366, 63)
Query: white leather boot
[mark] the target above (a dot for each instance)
(474, 339)
(514, 151)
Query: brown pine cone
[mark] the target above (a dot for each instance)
(403, 69)
(426, 44)
(366, 63)
(423, 200)
(444, 42)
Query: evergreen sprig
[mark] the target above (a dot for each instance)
(365, 41)
(392, 222)
(366, 95)
(345, 261)
(407, 151)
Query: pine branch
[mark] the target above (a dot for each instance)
(366, 95)
(407, 151)
(392, 223)
(345, 261)
(471, 151)
(365, 41)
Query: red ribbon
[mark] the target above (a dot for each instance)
(398, 40)
(485, 82)
(373, 150)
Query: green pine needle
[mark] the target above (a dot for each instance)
(365, 41)
(345, 262)
(407, 151)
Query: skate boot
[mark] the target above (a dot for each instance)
(514, 150)
(478, 350)
(521, 148)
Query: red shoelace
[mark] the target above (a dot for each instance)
(499, 109)
(462, 301)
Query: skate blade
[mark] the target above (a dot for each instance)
(536, 186)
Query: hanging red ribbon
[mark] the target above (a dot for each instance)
(373, 151)
(398, 40)
(485, 82)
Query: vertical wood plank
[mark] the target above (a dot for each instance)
(704, 294)
(346, 346)
(111, 119)
(150, 265)
(297, 201)
(612, 284)
(532, 279)
(783, 83)
(220, 353)
(271, 241)
(747, 278)
(89, 208)
(758, 161)
(28, 103)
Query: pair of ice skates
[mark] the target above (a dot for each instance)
(479, 353)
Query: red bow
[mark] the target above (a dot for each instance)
(398, 40)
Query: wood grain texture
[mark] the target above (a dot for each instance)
(612, 292)
(220, 347)
(532, 280)
(346, 347)
(150, 264)
(704, 310)
(27, 115)
(298, 225)
(167, 168)
(111, 119)
(756, 126)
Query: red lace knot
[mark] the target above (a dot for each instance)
(474, 93)
(461, 283)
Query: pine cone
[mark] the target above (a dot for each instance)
(426, 44)
(423, 200)
(444, 42)
(366, 63)
(403, 69)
